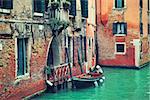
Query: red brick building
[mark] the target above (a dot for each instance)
(29, 43)
(122, 29)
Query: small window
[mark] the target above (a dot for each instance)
(119, 3)
(120, 48)
(119, 28)
(40, 5)
(6, 4)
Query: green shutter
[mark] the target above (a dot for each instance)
(38, 6)
(125, 28)
(43, 5)
(114, 28)
(73, 8)
(7, 4)
(84, 8)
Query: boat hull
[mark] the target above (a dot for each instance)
(87, 82)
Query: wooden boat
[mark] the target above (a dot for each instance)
(87, 80)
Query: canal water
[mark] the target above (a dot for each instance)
(120, 84)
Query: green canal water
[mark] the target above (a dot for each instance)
(120, 84)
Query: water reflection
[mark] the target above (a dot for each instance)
(120, 84)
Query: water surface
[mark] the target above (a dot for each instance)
(120, 84)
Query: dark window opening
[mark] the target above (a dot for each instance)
(119, 3)
(141, 3)
(141, 28)
(148, 4)
(120, 48)
(6, 4)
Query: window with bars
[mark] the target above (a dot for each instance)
(119, 3)
(119, 28)
(6, 4)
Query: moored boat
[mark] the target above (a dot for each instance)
(87, 80)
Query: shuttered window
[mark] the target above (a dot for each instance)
(120, 28)
(40, 5)
(119, 3)
(84, 8)
(22, 49)
(6, 4)
(73, 8)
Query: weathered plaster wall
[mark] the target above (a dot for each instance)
(12, 87)
(106, 39)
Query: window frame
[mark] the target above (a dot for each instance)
(117, 33)
(120, 53)
(26, 75)
(121, 8)
(6, 10)
(36, 13)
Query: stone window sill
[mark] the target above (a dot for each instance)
(7, 11)
(120, 35)
(38, 14)
(119, 9)
(22, 77)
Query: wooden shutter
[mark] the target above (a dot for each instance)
(125, 28)
(7, 4)
(73, 8)
(141, 28)
(38, 6)
(46, 4)
(1, 3)
(114, 28)
(84, 8)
